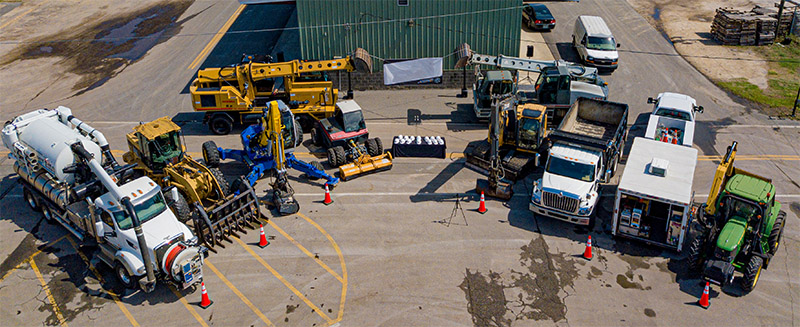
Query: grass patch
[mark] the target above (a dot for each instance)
(783, 78)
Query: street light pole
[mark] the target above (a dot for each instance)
(796, 101)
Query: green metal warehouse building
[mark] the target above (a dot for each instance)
(407, 29)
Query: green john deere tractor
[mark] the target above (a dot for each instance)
(740, 226)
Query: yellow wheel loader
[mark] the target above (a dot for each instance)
(198, 194)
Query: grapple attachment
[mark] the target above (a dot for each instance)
(226, 219)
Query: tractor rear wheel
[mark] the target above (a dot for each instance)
(341, 156)
(211, 154)
(777, 232)
(372, 147)
(223, 184)
(379, 144)
(751, 273)
(332, 160)
(695, 259)
(316, 137)
(181, 208)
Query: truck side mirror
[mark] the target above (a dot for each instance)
(607, 176)
(699, 109)
(651, 100)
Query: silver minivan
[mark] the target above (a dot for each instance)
(594, 42)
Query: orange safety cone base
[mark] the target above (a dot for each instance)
(703, 302)
(205, 302)
(482, 207)
(587, 253)
(328, 199)
(263, 242)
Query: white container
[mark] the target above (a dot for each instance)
(419, 139)
(397, 140)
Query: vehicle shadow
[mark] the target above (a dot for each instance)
(567, 52)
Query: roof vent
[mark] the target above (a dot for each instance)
(659, 166)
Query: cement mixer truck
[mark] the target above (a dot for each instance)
(102, 204)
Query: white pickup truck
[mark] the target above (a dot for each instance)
(673, 117)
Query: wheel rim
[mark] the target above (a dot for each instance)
(30, 200)
(123, 275)
(219, 126)
(46, 213)
(205, 155)
(758, 273)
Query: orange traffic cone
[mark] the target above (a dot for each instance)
(704, 299)
(263, 242)
(482, 207)
(205, 302)
(587, 254)
(327, 200)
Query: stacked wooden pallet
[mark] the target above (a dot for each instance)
(730, 28)
(783, 25)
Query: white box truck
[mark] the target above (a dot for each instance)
(654, 198)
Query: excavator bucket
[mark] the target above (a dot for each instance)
(366, 164)
(227, 219)
(463, 53)
(362, 61)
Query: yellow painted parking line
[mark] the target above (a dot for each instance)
(186, 304)
(30, 257)
(284, 281)
(49, 294)
(12, 20)
(239, 294)
(302, 248)
(216, 38)
(341, 261)
(100, 278)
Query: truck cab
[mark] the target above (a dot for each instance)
(568, 190)
(162, 231)
(558, 90)
(673, 118)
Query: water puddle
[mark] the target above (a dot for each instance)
(100, 51)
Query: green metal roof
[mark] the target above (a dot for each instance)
(750, 188)
(423, 28)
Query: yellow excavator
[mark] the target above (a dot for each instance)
(240, 93)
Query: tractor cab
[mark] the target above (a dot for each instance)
(345, 125)
(157, 144)
(523, 126)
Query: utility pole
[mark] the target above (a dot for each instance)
(780, 15)
(796, 102)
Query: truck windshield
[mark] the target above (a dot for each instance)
(354, 121)
(571, 169)
(145, 211)
(529, 133)
(672, 113)
(601, 43)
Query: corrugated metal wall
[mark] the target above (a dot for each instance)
(336, 27)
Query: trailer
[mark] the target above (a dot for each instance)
(654, 199)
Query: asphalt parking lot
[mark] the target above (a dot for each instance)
(383, 254)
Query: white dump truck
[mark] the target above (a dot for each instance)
(101, 204)
(586, 149)
(654, 198)
(672, 120)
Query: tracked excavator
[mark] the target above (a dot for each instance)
(239, 93)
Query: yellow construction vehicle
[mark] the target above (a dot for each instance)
(198, 193)
(363, 163)
(239, 93)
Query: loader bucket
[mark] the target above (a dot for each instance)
(366, 164)
(227, 218)
(463, 53)
(362, 61)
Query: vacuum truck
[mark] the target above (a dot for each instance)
(101, 203)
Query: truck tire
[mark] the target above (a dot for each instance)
(316, 137)
(317, 165)
(695, 258)
(332, 161)
(372, 147)
(298, 129)
(223, 184)
(181, 208)
(48, 214)
(379, 144)
(220, 124)
(211, 154)
(341, 156)
(31, 199)
(123, 276)
(751, 273)
(777, 232)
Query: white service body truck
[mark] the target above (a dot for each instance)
(654, 198)
(103, 205)
(673, 118)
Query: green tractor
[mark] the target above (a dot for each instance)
(740, 226)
